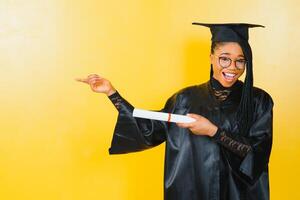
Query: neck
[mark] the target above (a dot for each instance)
(221, 92)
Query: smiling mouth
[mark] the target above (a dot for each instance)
(229, 76)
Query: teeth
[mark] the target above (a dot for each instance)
(230, 75)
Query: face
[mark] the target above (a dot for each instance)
(222, 53)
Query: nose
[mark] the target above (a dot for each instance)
(232, 66)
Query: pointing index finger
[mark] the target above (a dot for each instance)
(81, 80)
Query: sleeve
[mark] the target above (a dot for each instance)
(231, 143)
(136, 134)
(253, 150)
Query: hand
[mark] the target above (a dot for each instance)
(98, 84)
(202, 126)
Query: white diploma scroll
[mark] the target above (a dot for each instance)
(162, 116)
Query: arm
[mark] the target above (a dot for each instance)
(136, 134)
(130, 134)
(253, 150)
(232, 143)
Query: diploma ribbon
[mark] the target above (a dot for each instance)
(169, 117)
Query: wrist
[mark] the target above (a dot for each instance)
(213, 131)
(111, 92)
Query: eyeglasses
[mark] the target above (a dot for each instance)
(226, 62)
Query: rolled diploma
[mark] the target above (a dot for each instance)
(162, 116)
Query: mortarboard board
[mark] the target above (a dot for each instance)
(229, 32)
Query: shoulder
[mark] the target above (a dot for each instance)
(192, 89)
(185, 95)
(187, 92)
(181, 95)
(262, 97)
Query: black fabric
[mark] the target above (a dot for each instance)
(231, 143)
(200, 167)
(218, 86)
(226, 139)
(117, 100)
(229, 32)
(220, 91)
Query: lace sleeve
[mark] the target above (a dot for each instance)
(118, 101)
(228, 141)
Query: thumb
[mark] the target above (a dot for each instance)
(196, 116)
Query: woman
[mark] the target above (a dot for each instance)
(224, 154)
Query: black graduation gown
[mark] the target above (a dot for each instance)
(200, 167)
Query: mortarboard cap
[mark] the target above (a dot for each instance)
(229, 32)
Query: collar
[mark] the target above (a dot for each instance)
(233, 93)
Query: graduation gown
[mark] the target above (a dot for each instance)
(225, 166)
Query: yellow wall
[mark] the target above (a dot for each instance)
(55, 132)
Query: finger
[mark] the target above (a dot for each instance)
(97, 82)
(94, 80)
(179, 124)
(184, 125)
(196, 116)
(81, 80)
(93, 75)
(190, 124)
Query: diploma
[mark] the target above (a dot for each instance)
(162, 116)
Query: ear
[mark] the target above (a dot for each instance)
(211, 58)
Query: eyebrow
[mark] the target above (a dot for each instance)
(230, 54)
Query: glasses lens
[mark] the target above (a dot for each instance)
(240, 64)
(224, 61)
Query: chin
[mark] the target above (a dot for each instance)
(228, 84)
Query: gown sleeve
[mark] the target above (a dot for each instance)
(231, 143)
(136, 134)
(249, 156)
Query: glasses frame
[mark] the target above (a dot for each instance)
(220, 57)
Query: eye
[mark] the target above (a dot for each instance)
(225, 59)
(241, 61)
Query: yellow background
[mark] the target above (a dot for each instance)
(55, 132)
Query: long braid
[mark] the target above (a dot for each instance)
(246, 107)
